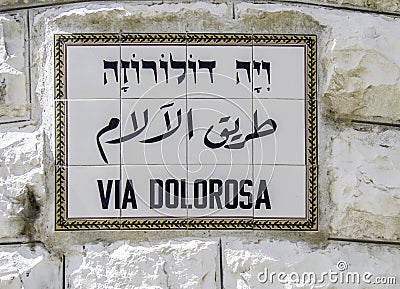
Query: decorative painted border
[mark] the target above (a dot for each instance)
(308, 224)
(311, 222)
(61, 185)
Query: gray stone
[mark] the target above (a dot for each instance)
(14, 96)
(364, 84)
(28, 267)
(388, 6)
(247, 263)
(18, 4)
(276, 18)
(358, 62)
(183, 264)
(391, 6)
(364, 178)
(22, 188)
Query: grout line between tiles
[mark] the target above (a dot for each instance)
(120, 128)
(252, 117)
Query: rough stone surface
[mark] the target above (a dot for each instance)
(374, 37)
(184, 264)
(14, 97)
(22, 187)
(276, 18)
(359, 66)
(391, 6)
(14, 4)
(364, 175)
(388, 6)
(245, 260)
(364, 82)
(359, 79)
(28, 267)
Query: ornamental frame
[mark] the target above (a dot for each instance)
(62, 223)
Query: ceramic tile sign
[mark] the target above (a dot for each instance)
(185, 131)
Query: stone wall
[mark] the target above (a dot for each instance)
(375, 6)
(359, 151)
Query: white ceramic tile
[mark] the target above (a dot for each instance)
(160, 191)
(286, 191)
(220, 191)
(88, 121)
(214, 73)
(92, 71)
(142, 148)
(212, 117)
(93, 192)
(287, 144)
(153, 71)
(286, 72)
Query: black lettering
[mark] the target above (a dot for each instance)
(231, 197)
(197, 203)
(183, 195)
(156, 195)
(247, 194)
(110, 65)
(215, 193)
(117, 192)
(172, 193)
(129, 195)
(105, 199)
(263, 196)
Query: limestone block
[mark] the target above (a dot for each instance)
(276, 19)
(15, 4)
(22, 185)
(14, 97)
(28, 267)
(374, 5)
(252, 264)
(360, 77)
(183, 264)
(358, 59)
(364, 178)
(391, 6)
(136, 17)
(363, 84)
